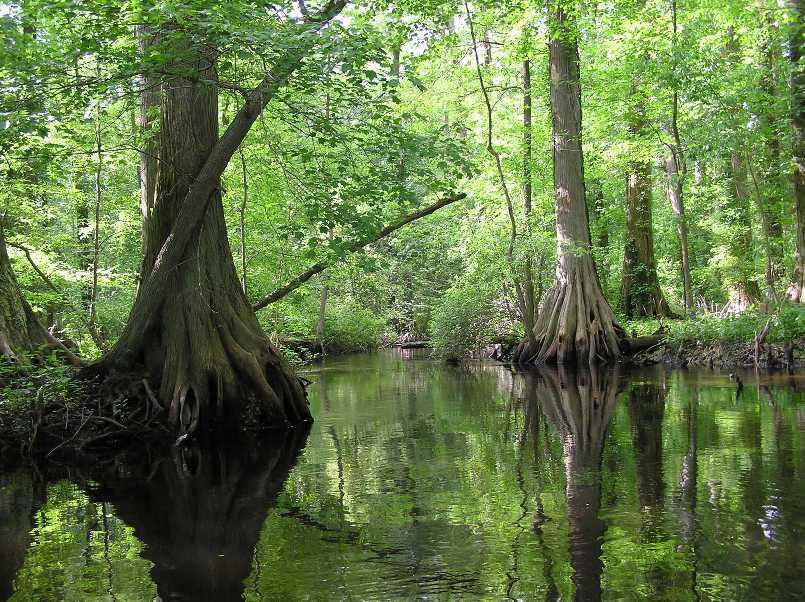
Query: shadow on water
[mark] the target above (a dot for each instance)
(198, 510)
(580, 405)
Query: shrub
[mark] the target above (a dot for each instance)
(352, 328)
(465, 320)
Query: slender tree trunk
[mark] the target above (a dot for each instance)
(770, 194)
(531, 302)
(242, 222)
(94, 328)
(525, 315)
(321, 323)
(676, 170)
(796, 291)
(743, 291)
(576, 323)
(150, 93)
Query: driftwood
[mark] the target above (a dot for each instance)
(413, 345)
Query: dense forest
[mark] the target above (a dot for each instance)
(196, 196)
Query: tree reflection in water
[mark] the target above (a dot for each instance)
(199, 510)
(580, 404)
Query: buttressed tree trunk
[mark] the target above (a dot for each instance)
(796, 291)
(20, 331)
(191, 327)
(576, 323)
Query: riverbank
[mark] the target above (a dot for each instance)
(769, 340)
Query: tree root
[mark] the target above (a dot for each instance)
(575, 326)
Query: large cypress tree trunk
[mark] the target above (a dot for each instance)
(20, 331)
(796, 291)
(191, 328)
(576, 323)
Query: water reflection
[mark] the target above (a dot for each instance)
(20, 493)
(199, 510)
(425, 481)
(580, 406)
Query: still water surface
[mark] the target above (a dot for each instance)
(426, 481)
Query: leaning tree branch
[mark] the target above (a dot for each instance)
(323, 265)
(36, 268)
(206, 185)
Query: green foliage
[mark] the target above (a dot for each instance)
(465, 321)
(351, 327)
(786, 324)
(30, 384)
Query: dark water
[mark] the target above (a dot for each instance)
(425, 481)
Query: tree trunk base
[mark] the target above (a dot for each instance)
(213, 364)
(576, 324)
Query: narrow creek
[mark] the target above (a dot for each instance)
(421, 480)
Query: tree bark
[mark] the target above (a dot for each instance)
(743, 291)
(20, 332)
(796, 291)
(641, 295)
(770, 194)
(191, 327)
(576, 323)
(529, 293)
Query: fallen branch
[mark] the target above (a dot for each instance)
(323, 265)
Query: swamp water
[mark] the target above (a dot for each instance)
(421, 480)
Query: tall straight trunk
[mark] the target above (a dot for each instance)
(191, 327)
(770, 193)
(676, 170)
(150, 91)
(576, 323)
(641, 295)
(796, 291)
(20, 332)
(743, 291)
(529, 293)
(242, 223)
